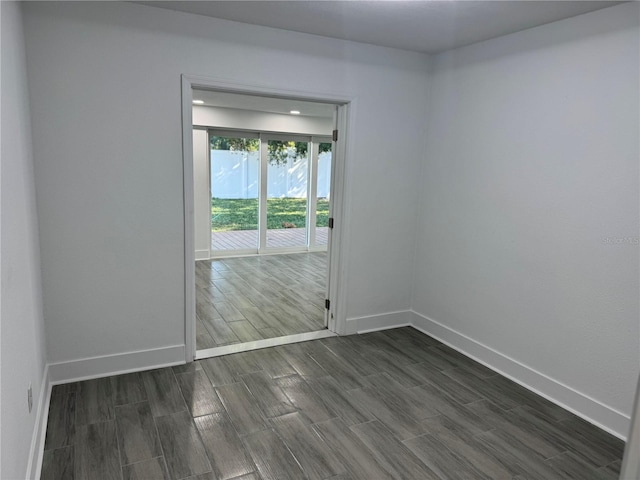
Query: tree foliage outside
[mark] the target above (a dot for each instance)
(278, 152)
(242, 214)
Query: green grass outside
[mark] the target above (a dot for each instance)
(242, 214)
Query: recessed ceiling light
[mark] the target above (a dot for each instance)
(198, 102)
(295, 112)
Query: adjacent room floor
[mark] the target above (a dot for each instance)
(394, 404)
(244, 299)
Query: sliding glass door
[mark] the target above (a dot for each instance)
(287, 193)
(321, 190)
(235, 182)
(269, 193)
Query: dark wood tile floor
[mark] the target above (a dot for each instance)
(252, 298)
(385, 405)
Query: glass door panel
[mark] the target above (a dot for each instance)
(287, 183)
(235, 181)
(323, 193)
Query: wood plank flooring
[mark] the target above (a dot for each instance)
(252, 298)
(387, 405)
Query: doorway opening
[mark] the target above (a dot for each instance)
(264, 254)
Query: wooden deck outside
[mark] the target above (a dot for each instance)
(286, 237)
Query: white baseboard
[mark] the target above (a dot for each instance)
(107, 365)
(593, 411)
(381, 321)
(36, 452)
(202, 254)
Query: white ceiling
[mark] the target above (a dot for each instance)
(417, 25)
(263, 104)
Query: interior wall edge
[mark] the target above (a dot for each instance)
(587, 408)
(424, 165)
(36, 452)
(117, 364)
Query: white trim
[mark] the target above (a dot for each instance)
(252, 253)
(590, 409)
(285, 137)
(631, 460)
(383, 321)
(262, 194)
(241, 252)
(232, 86)
(119, 363)
(232, 133)
(339, 236)
(266, 343)
(202, 255)
(36, 452)
(210, 196)
(284, 250)
(189, 228)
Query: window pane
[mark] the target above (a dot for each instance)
(287, 172)
(324, 193)
(235, 174)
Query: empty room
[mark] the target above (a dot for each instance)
(320, 240)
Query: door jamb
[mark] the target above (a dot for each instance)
(337, 313)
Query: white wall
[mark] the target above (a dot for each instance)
(110, 186)
(22, 346)
(531, 165)
(231, 118)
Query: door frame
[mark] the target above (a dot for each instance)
(336, 266)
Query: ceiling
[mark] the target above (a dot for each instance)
(418, 25)
(263, 104)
